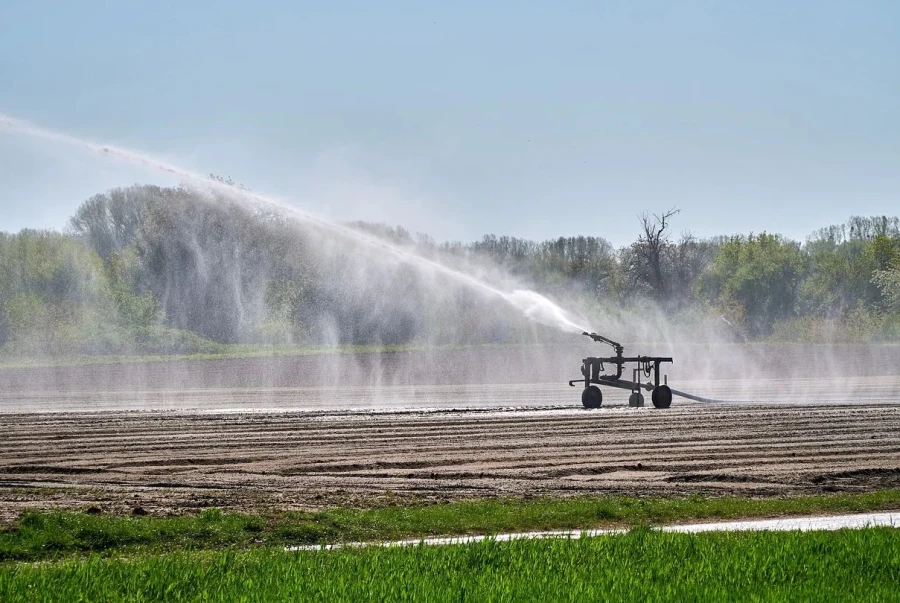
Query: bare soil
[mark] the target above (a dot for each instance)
(177, 462)
(371, 429)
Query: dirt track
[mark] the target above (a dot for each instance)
(172, 462)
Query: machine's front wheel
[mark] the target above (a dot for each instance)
(636, 399)
(661, 396)
(592, 397)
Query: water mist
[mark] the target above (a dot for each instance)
(530, 304)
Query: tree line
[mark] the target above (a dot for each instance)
(147, 269)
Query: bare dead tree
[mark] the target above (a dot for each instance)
(650, 250)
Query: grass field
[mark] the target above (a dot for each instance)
(44, 536)
(639, 566)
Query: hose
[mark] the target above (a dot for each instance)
(704, 400)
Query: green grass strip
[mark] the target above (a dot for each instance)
(849, 565)
(53, 535)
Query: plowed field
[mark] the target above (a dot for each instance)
(295, 447)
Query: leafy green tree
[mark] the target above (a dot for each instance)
(841, 273)
(111, 221)
(173, 269)
(761, 274)
(888, 281)
(49, 282)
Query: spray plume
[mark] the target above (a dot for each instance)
(531, 304)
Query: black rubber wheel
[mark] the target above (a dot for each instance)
(636, 399)
(661, 396)
(592, 397)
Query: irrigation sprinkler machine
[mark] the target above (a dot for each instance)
(644, 367)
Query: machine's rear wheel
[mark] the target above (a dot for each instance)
(661, 396)
(592, 397)
(636, 399)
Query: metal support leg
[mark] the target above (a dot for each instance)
(636, 399)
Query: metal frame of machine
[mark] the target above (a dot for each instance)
(592, 372)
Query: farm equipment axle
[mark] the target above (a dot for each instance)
(592, 372)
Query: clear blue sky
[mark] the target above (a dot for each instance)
(463, 118)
